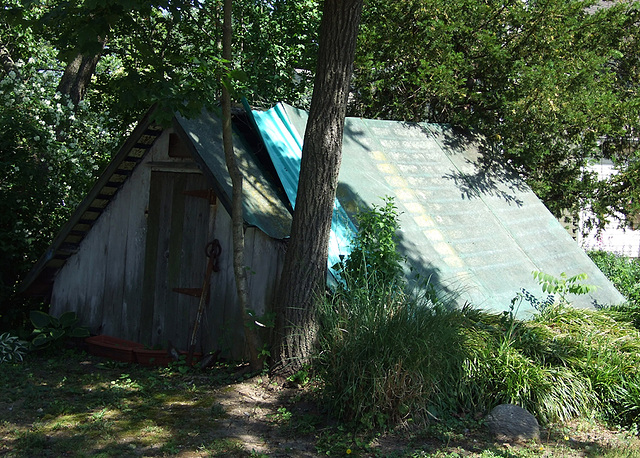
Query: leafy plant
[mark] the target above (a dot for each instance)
(623, 272)
(12, 349)
(49, 330)
(384, 357)
(563, 284)
(374, 261)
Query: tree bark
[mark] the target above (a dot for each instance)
(237, 217)
(304, 272)
(8, 65)
(77, 76)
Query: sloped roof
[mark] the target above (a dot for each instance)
(264, 204)
(284, 145)
(474, 231)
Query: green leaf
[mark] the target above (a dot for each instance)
(40, 319)
(57, 334)
(68, 319)
(79, 332)
(41, 340)
(238, 75)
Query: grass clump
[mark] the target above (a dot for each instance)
(386, 358)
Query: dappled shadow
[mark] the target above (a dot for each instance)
(80, 405)
(484, 183)
(478, 170)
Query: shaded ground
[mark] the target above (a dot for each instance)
(77, 405)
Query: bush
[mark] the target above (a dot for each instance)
(51, 153)
(374, 263)
(623, 272)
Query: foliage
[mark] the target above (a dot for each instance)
(549, 85)
(384, 359)
(278, 45)
(51, 330)
(50, 151)
(563, 284)
(559, 366)
(12, 349)
(623, 272)
(374, 260)
(169, 52)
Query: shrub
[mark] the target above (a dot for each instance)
(385, 357)
(623, 272)
(374, 264)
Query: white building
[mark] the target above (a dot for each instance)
(613, 238)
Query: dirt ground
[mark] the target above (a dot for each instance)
(252, 405)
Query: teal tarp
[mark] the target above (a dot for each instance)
(284, 144)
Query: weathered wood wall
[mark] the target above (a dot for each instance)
(150, 240)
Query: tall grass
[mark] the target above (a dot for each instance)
(386, 357)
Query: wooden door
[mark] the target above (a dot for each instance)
(178, 229)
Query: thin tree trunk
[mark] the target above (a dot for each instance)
(237, 217)
(304, 273)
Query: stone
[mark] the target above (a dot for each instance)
(513, 423)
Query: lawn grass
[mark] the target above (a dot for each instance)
(76, 405)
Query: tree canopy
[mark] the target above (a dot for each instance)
(550, 84)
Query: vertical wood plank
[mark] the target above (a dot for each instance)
(150, 260)
(134, 253)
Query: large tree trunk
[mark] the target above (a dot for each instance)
(305, 267)
(77, 76)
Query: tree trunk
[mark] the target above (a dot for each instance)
(8, 65)
(237, 217)
(77, 76)
(304, 273)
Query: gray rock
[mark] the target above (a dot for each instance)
(513, 423)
